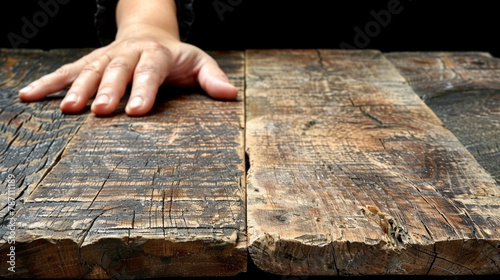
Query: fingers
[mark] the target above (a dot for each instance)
(84, 86)
(215, 82)
(147, 64)
(55, 81)
(117, 75)
(152, 69)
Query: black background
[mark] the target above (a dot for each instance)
(421, 26)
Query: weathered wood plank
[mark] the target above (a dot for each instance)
(160, 195)
(463, 89)
(351, 173)
(33, 135)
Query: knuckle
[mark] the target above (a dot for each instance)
(64, 71)
(62, 74)
(149, 73)
(93, 67)
(147, 68)
(130, 43)
(107, 88)
(118, 64)
(43, 81)
(154, 46)
(87, 59)
(141, 91)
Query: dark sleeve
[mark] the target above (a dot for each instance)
(105, 19)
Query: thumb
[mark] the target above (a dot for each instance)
(215, 82)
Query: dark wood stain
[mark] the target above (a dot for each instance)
(463, 89)
(155, 196)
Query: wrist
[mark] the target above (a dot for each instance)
(144, 30)
(147, 18)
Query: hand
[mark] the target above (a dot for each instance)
(147, 61)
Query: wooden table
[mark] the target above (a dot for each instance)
(331, 162)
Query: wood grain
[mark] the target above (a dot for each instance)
(352, 174)
(154, 196)
(33, 135)
(463, 89)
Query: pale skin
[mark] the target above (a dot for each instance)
(147, 52)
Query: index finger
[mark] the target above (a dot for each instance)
(55, 81)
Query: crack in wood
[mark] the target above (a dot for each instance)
(407, 164)
(125, 215)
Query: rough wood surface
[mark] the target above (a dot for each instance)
(351, 173)
(463, 89)
(160, 195)
(33, 135)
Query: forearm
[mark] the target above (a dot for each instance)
(135, 17)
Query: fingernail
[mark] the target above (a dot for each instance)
(136, 102)
(26, 89)
(71, 98)
(101, 100)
